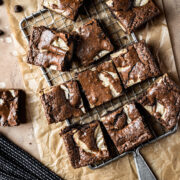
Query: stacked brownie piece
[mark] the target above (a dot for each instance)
(131, 14)
(92, 43)
(126, 127)
(135, 64)
(100, 84)
(85, 144)
(162, 100)
(50, 48)
(62, 102)
(67, 8)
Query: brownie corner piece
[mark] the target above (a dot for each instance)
(162, 101)
(126, 128)
(92, 43)
(101, 84)
(135, 63)
(50, 48)
(12, 107)
(62, 102)
(67, 8)
(85, 144)
(131, 14)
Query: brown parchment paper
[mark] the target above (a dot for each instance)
(163, 156)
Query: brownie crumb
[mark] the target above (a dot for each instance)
(18, 8)
(1, 2)
(1, 32)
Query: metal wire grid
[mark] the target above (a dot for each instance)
(99, 11)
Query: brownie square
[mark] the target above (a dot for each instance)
(126, 128)
(162, 100)
(62, 102)
(131, 14)
(92, 43)
(100, 84)
(135, 64)
(67, 8)
(12, 107)
(85, 144)
(50, 48)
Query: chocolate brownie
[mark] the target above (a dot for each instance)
(62, 102)
(162, 100)
(135, 64)
(50, 48)
(12, 107)
(132, 13)
(85, 144)
(92, 43)
(67, 8)
(101, 83)
(126, 128)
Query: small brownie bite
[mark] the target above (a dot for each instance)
(67, 8)
(50, 48)
(100, 84)
(162, 100)
(126, 128)
(62, 102)
(12, 107)
(85, 144)
(92, 43)
(131, 14)
(135, 64)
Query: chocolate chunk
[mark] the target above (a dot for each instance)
(1, 2)
(130, 18)
(126, 128)
(135, 64)
(85, 144)
(162, 100)
(50, 48)
(62, 102)
(101, 84)
(93, 44)
(12, 103)
(18, 8)
(1, 32)
(67, 8)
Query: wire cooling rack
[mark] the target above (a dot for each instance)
(98, 10)
(94, 9)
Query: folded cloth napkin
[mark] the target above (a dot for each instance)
(5, 176)
(33, 169)
(9, 167)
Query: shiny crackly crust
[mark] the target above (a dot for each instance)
(89, 153)
(126, 128)
(133, 17)
(101, 84)
(62, 102)
(135, 64)
(162, 100)
(42, 51)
